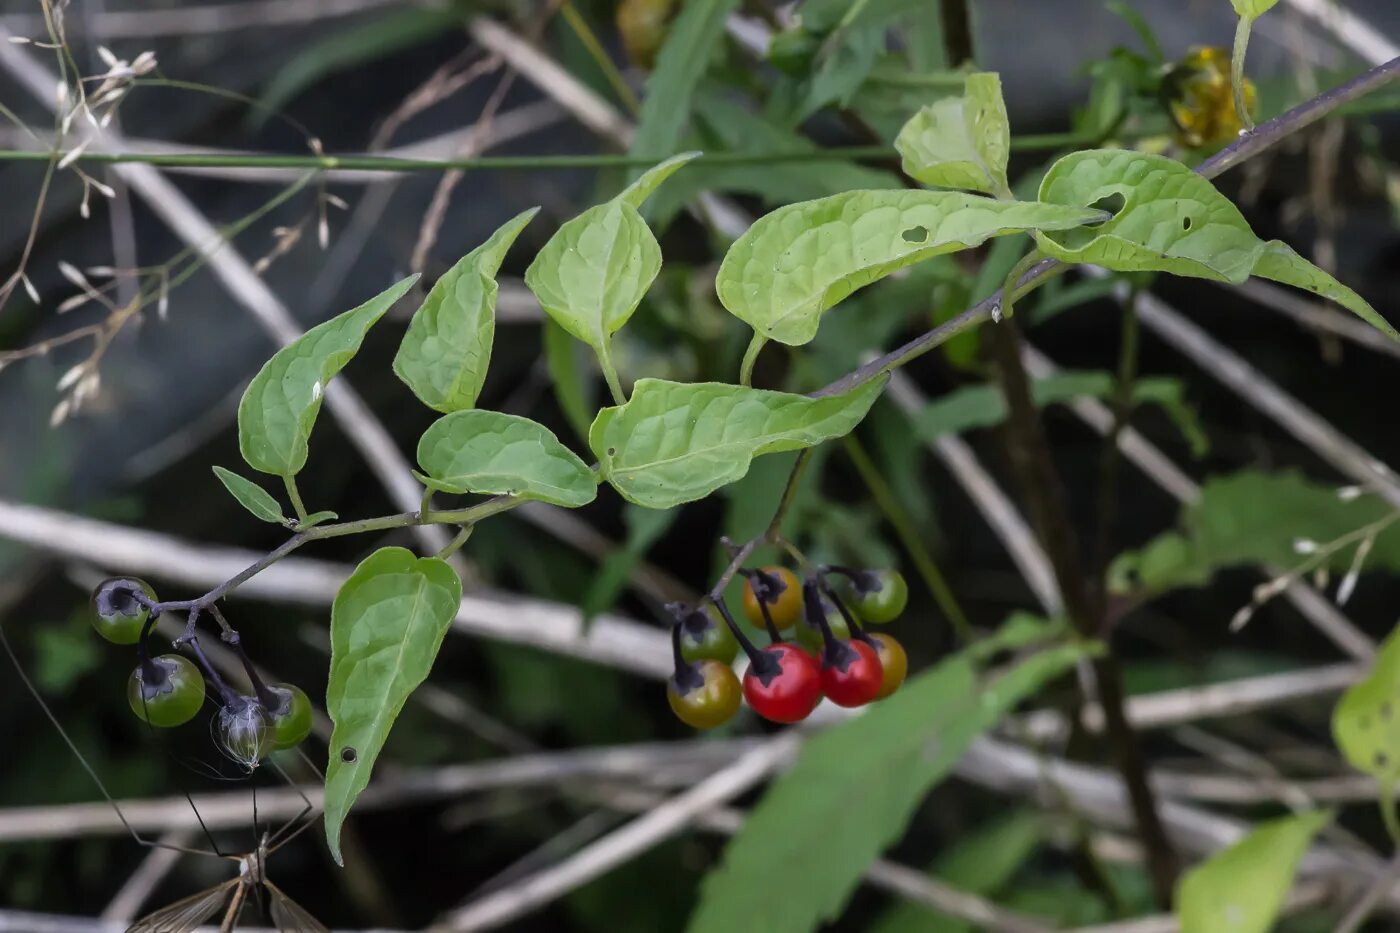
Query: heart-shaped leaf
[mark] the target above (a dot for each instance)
(387, 623)
(960, 142)
(1241, 889)
(279, 408)
(447, 347)
(490, 452)
(802, 259)
(1171, 219)
(251, 496)
(676, 442)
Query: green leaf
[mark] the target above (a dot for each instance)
(356, 45)
(314, 519)
(594, 271)
(1365, 725)
(251, 496)
(1241, 889)
(280, 405)
(447, 347)
(1172, 220)
(960, 142)
(802, 259)
(1281, 263)
(676, 442)
(644, 528)
(981, 862)
(387, 624)
(851, 794)
(681, 63)
(490, 452)
(982, 406)
(1255, 518)
(1252, 9)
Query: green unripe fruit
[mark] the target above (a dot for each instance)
(879, 596)
(705, 637)
(810, 637)
(291, 717)
(166, 691)
(116, 615)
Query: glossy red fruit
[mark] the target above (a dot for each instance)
(785, 684)
(852, 675)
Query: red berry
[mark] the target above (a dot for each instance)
(852, 675)
(785, 684)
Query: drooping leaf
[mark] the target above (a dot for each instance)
(1365, 724)
(644, 528)
(447, 347)
(1252, 9)
(251, 496)
(279, 408)
(802, 259)
(676, 442)
(982, 862)
(387, 623)
(491, 452)
(594, 271)
(1241, 889)
(1281, 263)
(683, 60)
(1256, 518)
(982, 406)
(850, 796)
(1171, 219)
(960, 142)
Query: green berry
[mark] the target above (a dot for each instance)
(165, 691)
(706, 637)
(291, 718)
(116, 615)
(879, 596)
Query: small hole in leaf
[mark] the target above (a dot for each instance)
(915, 235)
(1186, 223)
(348, 754)
(1381, 759)
(1110, 204)
(612, 451)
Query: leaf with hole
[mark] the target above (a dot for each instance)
(1281, 263)
(490, 452)
(852, 792)
(960, 142)
(251, 496)
(676, 442)
(387, 623)
(798, 261)
(445, 351)
(279, 408)
(1366, 721)
(1241, 889)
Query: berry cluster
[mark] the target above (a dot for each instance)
(168, 690)
(830, 655)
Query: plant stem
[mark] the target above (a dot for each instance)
(775, 524)
(1237, 71)
(1109, 458)
(455, 545)
(750, 358)
(1035, 472)
(908, 536)
(295, 495)
(605, 362)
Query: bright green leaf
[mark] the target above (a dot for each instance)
(802, 259)
(1241, 889)
(597, 267)
(1256, 518)
(490, 452)
(960, 142)
(1171, 219)
(251, 496)
(1365, 723)
(1252, 9)
(447, 347)
(280, 405)
(851, 793)
(982, 406)
(387, 623)
(676, 442)
(314, 519)
(1281, 263)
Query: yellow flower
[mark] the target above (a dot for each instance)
(1196, 93)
